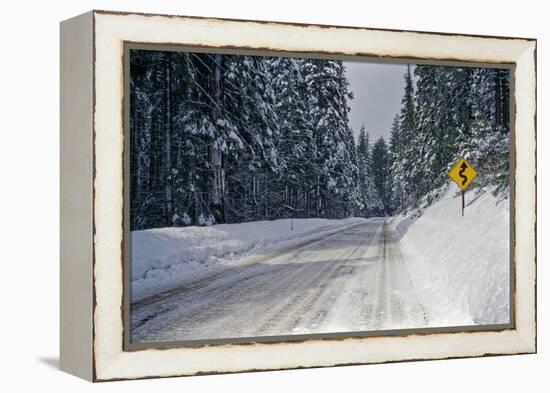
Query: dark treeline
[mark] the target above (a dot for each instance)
(227, 138)
(454, 112)
(224, 138)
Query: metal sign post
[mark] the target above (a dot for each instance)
(462, 192)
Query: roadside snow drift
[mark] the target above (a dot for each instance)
(456, 269)
(165, 258)
(461, 265)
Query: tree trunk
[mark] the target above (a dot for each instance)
(168, 143)
(218, 176)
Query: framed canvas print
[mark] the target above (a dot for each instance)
(246, 195)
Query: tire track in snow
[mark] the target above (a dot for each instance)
(330, 310)
(351, 280)
(397, 305)
(162, 320)
(197, 305)
(289, 315)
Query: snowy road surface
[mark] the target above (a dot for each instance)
(351, 280)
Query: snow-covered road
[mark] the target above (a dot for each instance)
(351, 280)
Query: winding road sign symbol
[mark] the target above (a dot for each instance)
(463, 174)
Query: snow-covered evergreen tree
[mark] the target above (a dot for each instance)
(336, 177)
(381, 174)
(224, 138)
(456, 111)
(442, 108)
(397, 179)
(486, 143)
(403, 165)
(294, 180)
(371, 203)
(251, 125)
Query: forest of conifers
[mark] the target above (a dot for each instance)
(228, 138)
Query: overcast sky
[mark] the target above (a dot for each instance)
(377, 90)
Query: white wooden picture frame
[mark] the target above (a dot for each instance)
(92, 194)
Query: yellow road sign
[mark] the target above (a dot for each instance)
(463, 174)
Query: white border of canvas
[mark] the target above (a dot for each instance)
(112, 30)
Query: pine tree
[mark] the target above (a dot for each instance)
(397, 180)
(371, 202)
(442, 108)
(249, 102)
(486, 143)
(403, 166)
(294, 180)
(458, 111)
(381, 171)
(336, 177)
(223, 138)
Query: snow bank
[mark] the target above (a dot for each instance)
(463, 263)
(167, 257)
